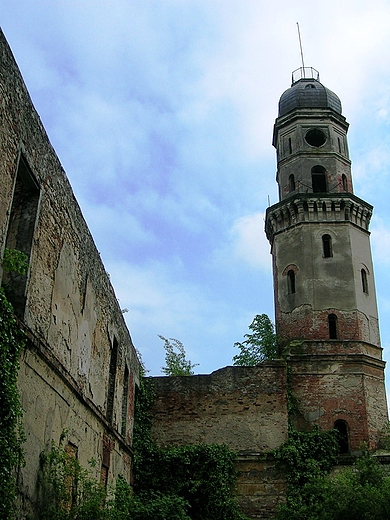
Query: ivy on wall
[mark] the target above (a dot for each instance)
(12, 341)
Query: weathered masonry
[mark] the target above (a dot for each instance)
(79, 371)
(325, 302)
(326, 314)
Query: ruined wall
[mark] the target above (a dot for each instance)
(80, 370)
(242, 407)
(341, 381)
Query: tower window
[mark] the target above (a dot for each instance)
(363, 273)
(332, 322)
(315, 137)
(339, 141)
(291, 183)
(342, 428)
(318, 179)
(327, 246)
(289, 145)
(345, 184)
(291, 281)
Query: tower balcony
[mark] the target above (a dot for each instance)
(322, 207)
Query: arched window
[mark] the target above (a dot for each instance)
(291, 281)
(291, 183)
(363, 273)
(332, 322)
(345, 185)
(327, 246)
(342, 428)
(318, 179)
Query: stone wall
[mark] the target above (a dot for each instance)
(242, 407)
(80, 356)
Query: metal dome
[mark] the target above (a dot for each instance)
(308, 92)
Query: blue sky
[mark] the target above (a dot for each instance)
(162, 113)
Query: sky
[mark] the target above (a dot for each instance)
(162, 112)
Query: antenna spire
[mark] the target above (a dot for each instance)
(300, 46)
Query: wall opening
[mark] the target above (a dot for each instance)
(318, 178)
(291, 183)
(125, 401)
(342, 427)
(20, 233)
(289, 146)
(332, 322)
(111, 381)
(291, 281)
(363, 274)
(327, 246)
(345, 184)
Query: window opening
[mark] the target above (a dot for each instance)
(291, 183)
(289, 145)
(291, 281)
(345, 185)
(363, 273)
(339, 141)
(125, 401)
(20, 233)
(318, 179)
(332, 322)
(342, 428)
(111, 381)
(327, 246)
(315, 137)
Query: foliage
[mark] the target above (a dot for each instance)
(262, 344)
(15, 261)
(308, 455)
(197, 478)
(12, 341)
(176, 362)
(67, 490)
(360, 492)
(128, 506)
(202, 475)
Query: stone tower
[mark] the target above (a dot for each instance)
(325, 303)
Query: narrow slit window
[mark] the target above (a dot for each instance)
(289, 146)
(125, 401)
(345, 185)
(363, 273)
(291, 281)
(332, 322)
(327, 246)
(291, 183)
(112, 381)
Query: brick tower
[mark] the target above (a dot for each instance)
(325, 303)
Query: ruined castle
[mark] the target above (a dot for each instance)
(79, 371)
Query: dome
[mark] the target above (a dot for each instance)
(308, 93)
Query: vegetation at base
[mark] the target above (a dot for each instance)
(175, 359)
(12, 342)
(361, 492)
(262, 344)
(180, 483)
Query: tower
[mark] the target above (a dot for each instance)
(325, 303)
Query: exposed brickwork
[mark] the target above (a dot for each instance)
(243, 407)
